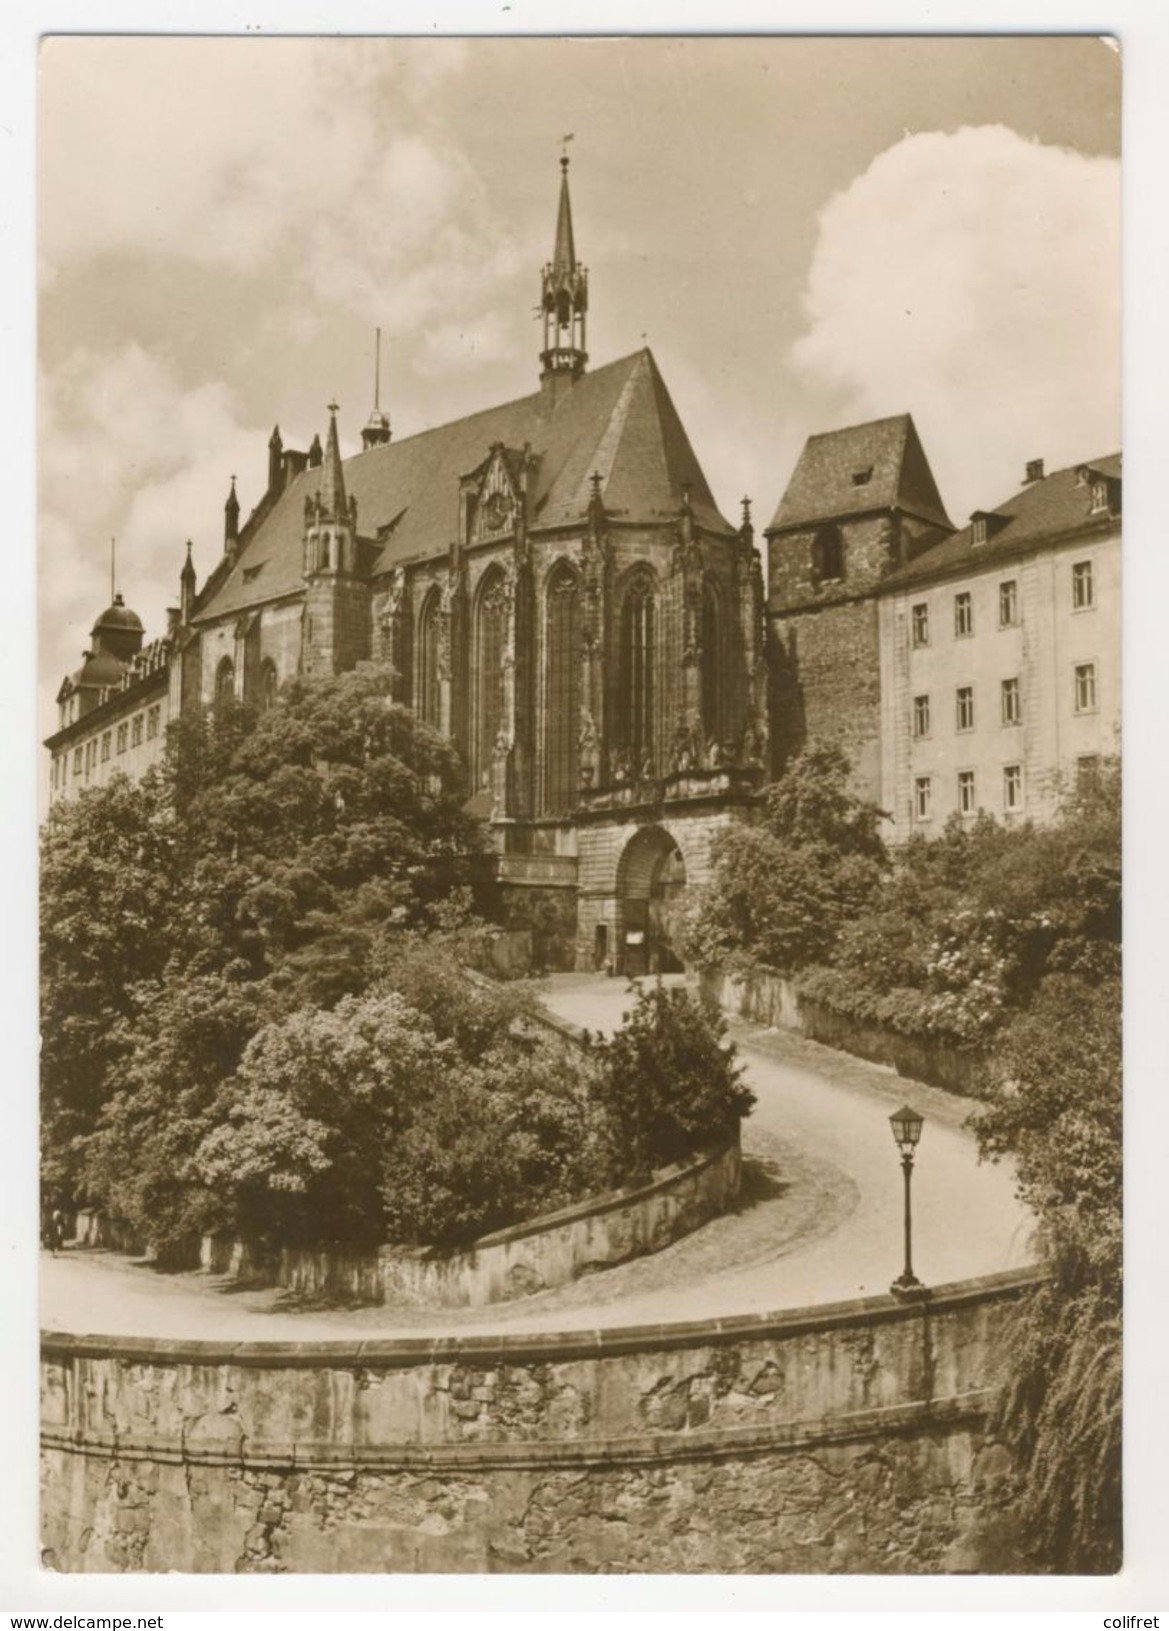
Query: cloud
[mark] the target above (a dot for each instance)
(315, 165)
(973, 279)
(452, 348)
(126, 452)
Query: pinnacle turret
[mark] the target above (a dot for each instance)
(231, 520)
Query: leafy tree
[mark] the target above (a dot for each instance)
(313, 826)
(188, 1035)
(668, 1081)
(300, 1133)
(783, 890)
(111, 911)
(273, 852)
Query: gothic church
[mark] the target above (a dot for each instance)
(555, 589)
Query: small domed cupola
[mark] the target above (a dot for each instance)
(118, 632)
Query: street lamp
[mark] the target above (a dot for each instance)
(907, 1125)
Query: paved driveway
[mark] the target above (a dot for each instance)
(820, 1219)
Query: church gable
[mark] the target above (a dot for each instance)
(492, 495)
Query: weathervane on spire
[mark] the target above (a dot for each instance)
(564, 141)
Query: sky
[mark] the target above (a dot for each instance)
(807, 232)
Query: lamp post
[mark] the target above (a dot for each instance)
(907, 1125)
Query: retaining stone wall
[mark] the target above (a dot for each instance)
(768, 999)
(532, 1256)
(851, 1438)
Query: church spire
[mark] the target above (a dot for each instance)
(564, 255)
(331, 494)
(564, 301)
(231, 521)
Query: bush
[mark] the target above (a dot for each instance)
(668, 1082)
(1054, 1103)
(500, 1141)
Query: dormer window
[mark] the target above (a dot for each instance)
(862, 478)
(1099, 496)
(979, 533)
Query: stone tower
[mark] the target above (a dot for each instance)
(861, 503)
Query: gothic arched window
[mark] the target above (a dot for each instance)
(712, 662)
(636, 698)
(224, 682)
(490, 644)
(562, 690)
(269, 684)
(426, 693)
(828, 555)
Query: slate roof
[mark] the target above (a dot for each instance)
(824, 484)
(1038, 514)
(618, 421)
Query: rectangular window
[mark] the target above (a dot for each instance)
(136, 731)
(123, 736)
(1083, 589)
(1012, 787)
(1085, 688)
(922, 797)
(963, 614)
(1008, 604)
(921, 716)
(966, 792)
(152, 724)
(77, 761)
(105, 746)
(965, 696)
(920, 618)
(1012, 703)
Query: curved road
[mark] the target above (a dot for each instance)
(820, 1220)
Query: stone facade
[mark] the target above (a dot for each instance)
(860, 503)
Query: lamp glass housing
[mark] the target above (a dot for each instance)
(907, 1125)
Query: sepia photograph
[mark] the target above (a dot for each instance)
(579, 800)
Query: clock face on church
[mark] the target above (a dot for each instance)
(497, 511)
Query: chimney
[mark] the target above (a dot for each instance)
(174, 618)
(1034, 472)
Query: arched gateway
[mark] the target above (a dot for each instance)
(651, 876)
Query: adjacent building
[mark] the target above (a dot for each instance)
(1000, 655)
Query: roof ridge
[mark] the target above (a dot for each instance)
(497, 408)
(862, 424)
